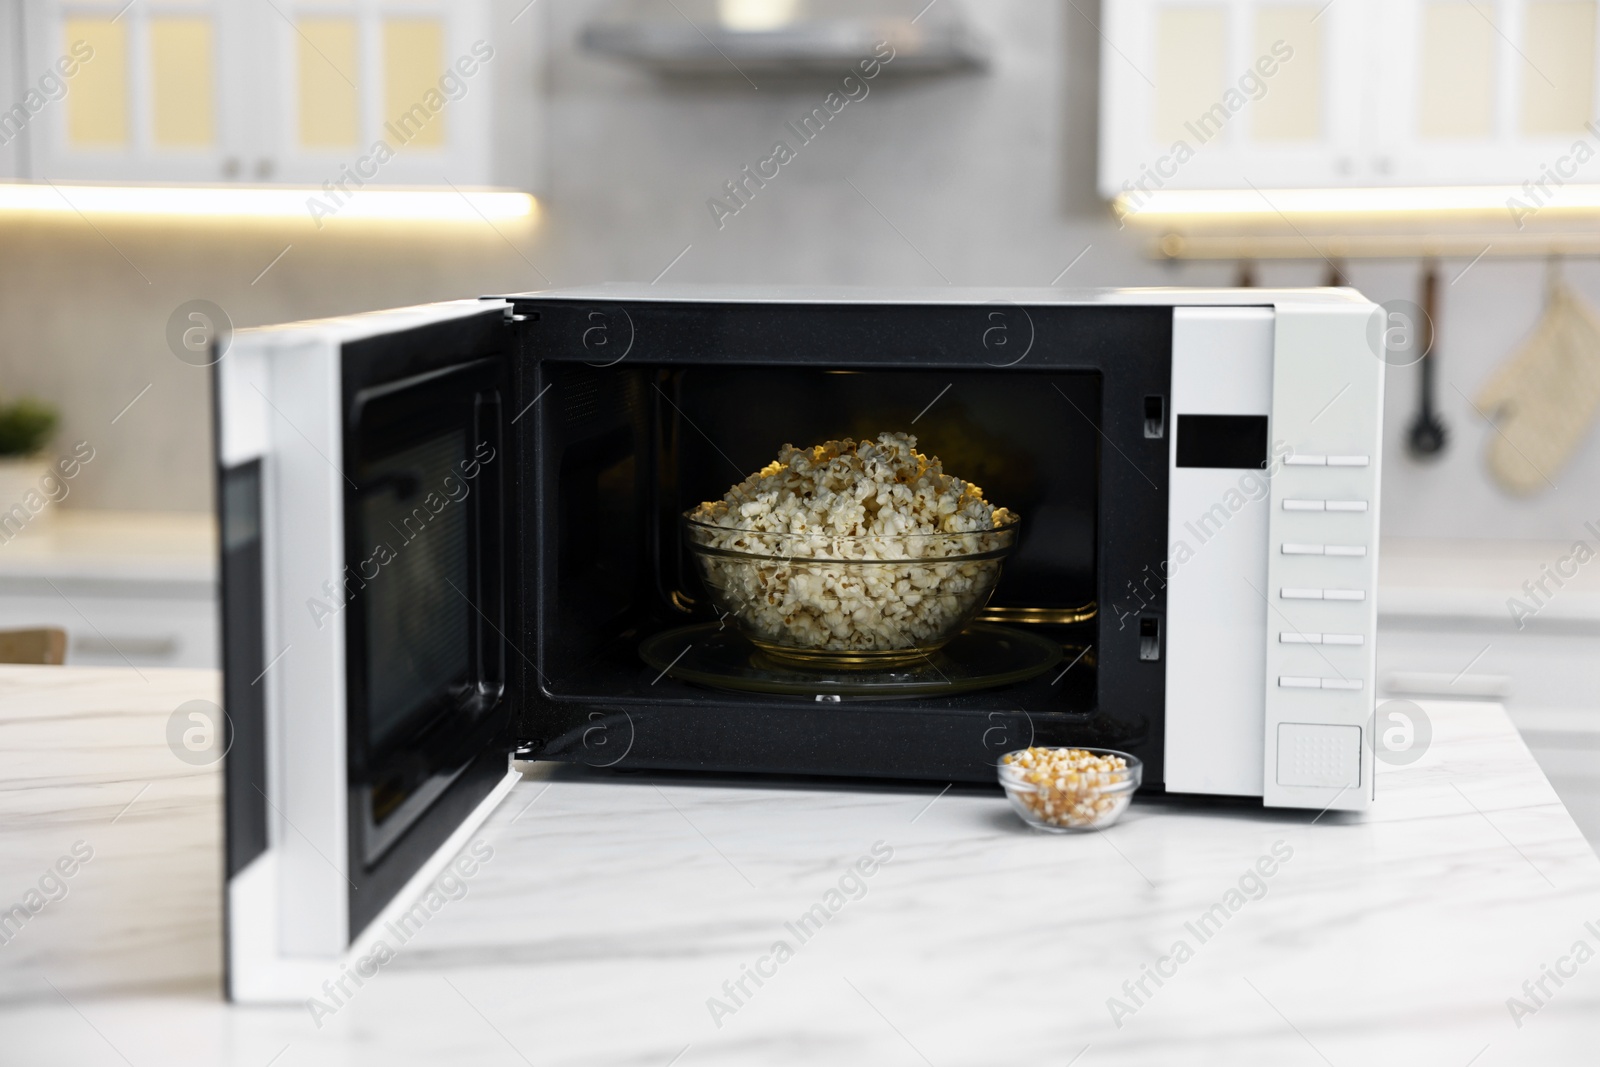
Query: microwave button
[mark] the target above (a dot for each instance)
(1347, 505)
(1289, 681)
(1305, 460)
(1303, 505)
(1319, 755)
(1289, 593)
(1292, 549)
(1347, 461)
(1345, 550)
(1344, 594)
(1295, 637)
(1343, 639)
(1341, 683)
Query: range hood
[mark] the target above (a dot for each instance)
(781, 37)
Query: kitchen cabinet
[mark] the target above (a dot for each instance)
(1349, 94)
(1197, 94)
(342, 91)
(1446, 632)
(10, 78)
(131, 589)
(1486, 93)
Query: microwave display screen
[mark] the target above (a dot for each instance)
(1238, 441)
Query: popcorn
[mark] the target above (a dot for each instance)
(834, 521)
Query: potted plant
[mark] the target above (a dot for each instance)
(26, 426)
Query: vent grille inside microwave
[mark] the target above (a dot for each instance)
(580, 396)
(585, 394)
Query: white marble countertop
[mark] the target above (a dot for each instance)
(613, 908)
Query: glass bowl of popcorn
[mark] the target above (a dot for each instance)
(1061, 790)
(878, 600)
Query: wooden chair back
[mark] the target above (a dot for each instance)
(46, 646)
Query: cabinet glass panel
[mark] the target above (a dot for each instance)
(1191, 52)
(1290, 104)
(413, 57)
(1456, 91)
(329, 65)
(1558, 77)
(97, 107)
(181, 82)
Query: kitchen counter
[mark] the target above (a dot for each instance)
(132, 589)
(612, 908)
(115, 545)
(1469, 582)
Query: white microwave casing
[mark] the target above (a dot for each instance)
(1270, 579)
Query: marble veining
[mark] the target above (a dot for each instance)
(619, 913)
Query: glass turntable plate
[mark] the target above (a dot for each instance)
(980, 657)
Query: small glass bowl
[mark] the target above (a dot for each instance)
(1093, 803)
(848, 602)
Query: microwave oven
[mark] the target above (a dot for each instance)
(451, 538)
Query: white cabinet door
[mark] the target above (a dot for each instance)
(377, 91)
(346, 92)
(12, 89)
(1198, 94)
(1204, 94)
(1488, 91)
(147, 92)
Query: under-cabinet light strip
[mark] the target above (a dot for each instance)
(266, 202)
(1513, 201)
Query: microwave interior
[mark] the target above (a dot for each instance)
(614, 452)
(627, 450)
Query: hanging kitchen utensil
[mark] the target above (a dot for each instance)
(1427, 435)
(1545, 397)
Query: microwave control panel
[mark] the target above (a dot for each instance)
(1272, 553)
(1322, 558)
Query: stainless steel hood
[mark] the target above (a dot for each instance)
(783, 37)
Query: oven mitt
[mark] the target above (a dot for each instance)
(1544, 398)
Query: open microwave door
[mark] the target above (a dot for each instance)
(366, 500)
